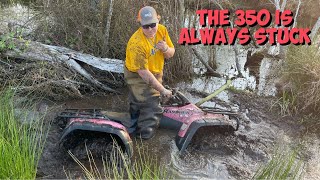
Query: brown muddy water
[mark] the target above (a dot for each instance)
(213, 153)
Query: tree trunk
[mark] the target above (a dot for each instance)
(315, 29)
(209, 69)
(43, 52)
(182, 10)
(107, 30)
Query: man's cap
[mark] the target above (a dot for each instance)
(147, 15)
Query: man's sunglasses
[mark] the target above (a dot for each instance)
(149, 25)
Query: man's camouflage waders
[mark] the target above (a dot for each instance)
(144, 102)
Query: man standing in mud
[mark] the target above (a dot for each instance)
(145, 54)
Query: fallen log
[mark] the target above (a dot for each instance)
(209, 69)
(29, 50)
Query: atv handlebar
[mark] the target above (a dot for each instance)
(177, 99)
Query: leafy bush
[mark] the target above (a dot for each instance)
(6, 42)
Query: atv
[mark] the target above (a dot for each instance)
(179, 115)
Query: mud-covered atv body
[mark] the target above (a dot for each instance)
(187, 118)
(83, 124)
(179, 115)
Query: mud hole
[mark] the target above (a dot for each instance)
(213, 153)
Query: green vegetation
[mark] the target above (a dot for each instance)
(286, 103)
(302, 69)
(283, 165)
(21, 142)
(119, 166)
(6, 42)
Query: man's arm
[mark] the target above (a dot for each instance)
(169, 52)
(149, 78)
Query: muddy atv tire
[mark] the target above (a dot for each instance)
(81, 143)
(97, 147)
(102, 148)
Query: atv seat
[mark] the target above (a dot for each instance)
(121, 117)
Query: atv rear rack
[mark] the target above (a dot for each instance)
(82, 113)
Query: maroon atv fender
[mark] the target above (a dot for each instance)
(92, 122)
(187, 118)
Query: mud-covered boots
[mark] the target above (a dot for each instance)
(145, 133)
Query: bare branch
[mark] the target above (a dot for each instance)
(295, 17)
(182, 10)
(283, 5)
(277, 4)
(218, 4)
(315, 29)
(107, 30)
(237, 61)
(272, 2)
(5, 63)
(202, 60)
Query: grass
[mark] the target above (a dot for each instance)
(303, 71)
(21, 144)
(285, 164)
(286, 103)
(119, 166)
